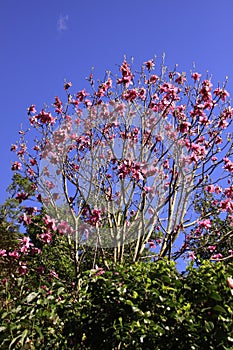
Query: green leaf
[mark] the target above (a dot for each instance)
(120, 321)
(219, 308)
(209, 326)
(31, 296)
(136, 309)
(128, 302)
(166, 279)
(161, 298)
(60, 290)
(16, 339)
(215, 296)
(25, 332)
(146, 321)
(134, 295)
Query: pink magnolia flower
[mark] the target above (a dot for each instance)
(30, 172)
(35, 250)
(36, 148)
(31, 210)
(142, 93)
(193, 158)
(22, 150)
(184, 126)
(16, 166)
(124, 169)
(100, 271)
(207, 85)
(204, 223)
(158, 138)
(58, 105)
(212, 248)
(166, 164)
(67, 85)
(108, 83)
(81, 95)
(22, 269)
(221, 93)
(3, 252)
(31, 109)
(180, 79)
(64, 228)
(46, 237)
(127, 75)
(14, 147)
(153, 79)
(223, 124)
(40, 269)
(45, 117)
(210, 188)
(95, 217)
(88, 103)
(25, 219)
(53, 274)
(209, 103)
(218, 189)
(196, 76)
(206, 92)
(104, 87)
(198, 150)
(216, 256)
(149, 64)
(152, 245)
(229, 192)
(204, 120)
(130, 95)
(230, 282)
(136, 173)
(33, 161)
(227, 205)
(25, 244)
(228, 165)
(14, 254)
(33, 121)
(50, 223)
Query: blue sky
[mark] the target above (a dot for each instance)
(43, 42)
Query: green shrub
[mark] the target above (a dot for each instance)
(142, 306)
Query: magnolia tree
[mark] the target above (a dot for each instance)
(119, 168)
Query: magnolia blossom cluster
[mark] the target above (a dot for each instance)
(143, 143)
(25, 248)
(206, 230)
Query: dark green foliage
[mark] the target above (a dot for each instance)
(142, 306)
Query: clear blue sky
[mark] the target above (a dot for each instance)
(42, 42)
